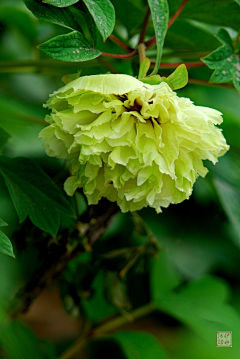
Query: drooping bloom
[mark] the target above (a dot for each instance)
(137, 144)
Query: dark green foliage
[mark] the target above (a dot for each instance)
(4, 137)
(5, 243)
(139, 345)
(182, 265)
(34, 194)
(214, 12)
(62, 17)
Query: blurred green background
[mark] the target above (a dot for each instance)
(195, 278)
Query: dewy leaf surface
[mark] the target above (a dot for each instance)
(224, 62)
(63, 17)
(87, 22)
(5, 243)
(70, 47)
(60, 3)
(103, 14)
(159, 11)
(34, 194)
(139, 345)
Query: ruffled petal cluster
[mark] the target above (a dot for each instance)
(134, 143)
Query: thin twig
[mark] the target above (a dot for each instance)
(120, 43)
(107, 327)
(143, 32)
(95, 221)
(150, 42)
(177, 13)
(237, 39)
(166, 65)
(108, 66)
(206, 83)
(118, 56)
(43, 63)
(79, 344)
(171, 21)
(23, 117)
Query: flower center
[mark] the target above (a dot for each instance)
(137, 107)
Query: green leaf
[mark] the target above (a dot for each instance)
(144, 67)
(188, 41)
(70, 77)
(163, 278)
(19, 342)
(155, 80)
(34, 194)
(2, 223)
(5, 243)
(84, 18)
(60, 3)
(179, 78)
(224, 61)
(97, 306)
(238, 2)
(214, 12)
(4, 137)
(63, 17)
(226, 179)
(159, 11)
(139, 345)
(152, 80)
(131, 14)
(230, 198)
(70, 47)
(103, 14)
(201, 306)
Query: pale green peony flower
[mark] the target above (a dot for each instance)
(134, 143)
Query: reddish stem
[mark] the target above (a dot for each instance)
(120, 43)
(143, 32)
(171, 21)
(150, 42)
(177, 13)
(108, 65)
(236, 40)
(206, 83)
(117, 56)
(166, 65)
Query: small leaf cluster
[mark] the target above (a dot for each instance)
(74, 46)
(33, 194)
